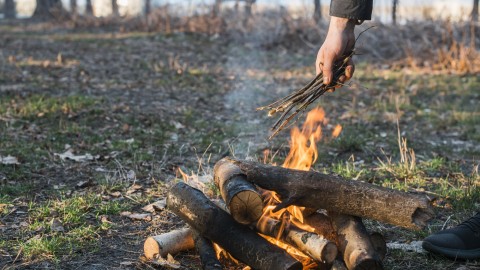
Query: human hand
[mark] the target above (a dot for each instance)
(340, 41)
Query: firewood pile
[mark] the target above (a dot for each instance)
(332, 238)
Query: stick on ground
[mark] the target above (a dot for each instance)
(168, 243)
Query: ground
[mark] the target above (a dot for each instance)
(142, 105)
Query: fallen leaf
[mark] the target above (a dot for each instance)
(136, 216)
(9, 160)
(170, 262)
(78, 158)
(84, 184)
(115, 194)
(156, 206)
(56, 225)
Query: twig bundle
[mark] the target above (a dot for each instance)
(300, 99)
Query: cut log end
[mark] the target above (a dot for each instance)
(330, 252)
(246, 207)
(421, 216)
(151, 248)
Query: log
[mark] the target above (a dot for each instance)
(207, 253)
(210, 221)
(168, 243)
(354, 243)
(244, 202)
(313, 245)
(334, 193)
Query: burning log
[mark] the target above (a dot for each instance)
(322, 225)
(215, 224)
(207, 253)
(354, 243)
(314, 245)
(168, 243)
(244, 202)
(317, 190)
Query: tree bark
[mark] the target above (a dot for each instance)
(217, 6)
(317, 12)
(115, 8)
(317, 190)
(215, 224)
(394, 11)
(475, 11)
(47, 9)
(244, 202)
(207, 253)
(89, 8)
(168, 243)
(354, 243)
(10, 12)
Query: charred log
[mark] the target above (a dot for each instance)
(207, 253)
(241, 197)
(215, 224)
(331, 192)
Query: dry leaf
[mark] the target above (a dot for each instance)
(78, 158)
(56, 225)
(170, 262)
(156, 206)
(136, 216)
(9, 160)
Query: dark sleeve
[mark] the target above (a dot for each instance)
(352, 9)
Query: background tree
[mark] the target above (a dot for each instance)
(148, 7)
(9, 9)
(317, 11)
(216, 7)
(48, 8)
(394, 11)
(115, 8)
(89, 8)
(73, 7)
(475, 10)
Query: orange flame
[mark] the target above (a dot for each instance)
(303, 154)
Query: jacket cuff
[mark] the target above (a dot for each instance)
(352, 9)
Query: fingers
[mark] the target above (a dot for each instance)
(327, 68)
(319, 62)
(349, 69)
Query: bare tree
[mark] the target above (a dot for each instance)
(89, 8)
(73, 7)
(394, 11)
(48, 9)
(10, 9)
(248, 7)
(216, 7)
(475, 10)
(148, 7)
(317, 12)
(115, 8)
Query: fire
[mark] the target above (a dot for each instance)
(303, 154)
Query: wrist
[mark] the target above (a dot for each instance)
(342, 24)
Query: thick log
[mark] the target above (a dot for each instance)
(207, 253)
(210, 221)
(168, 243)
(354, 243)
(314, 245)
(244, 202)
(331, 192)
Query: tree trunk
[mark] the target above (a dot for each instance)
(216, 8)
(10, 9)
(331, 192)
(89, 8)
(475, 11)
(394, 11)
(48, 9)
(148, 7)
(115, 8)
(210, 221)
(317, 12)
(73, 7)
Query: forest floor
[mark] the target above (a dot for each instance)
(130, 109)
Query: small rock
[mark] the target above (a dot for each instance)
(57, 225)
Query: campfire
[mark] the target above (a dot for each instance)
(287, 217)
